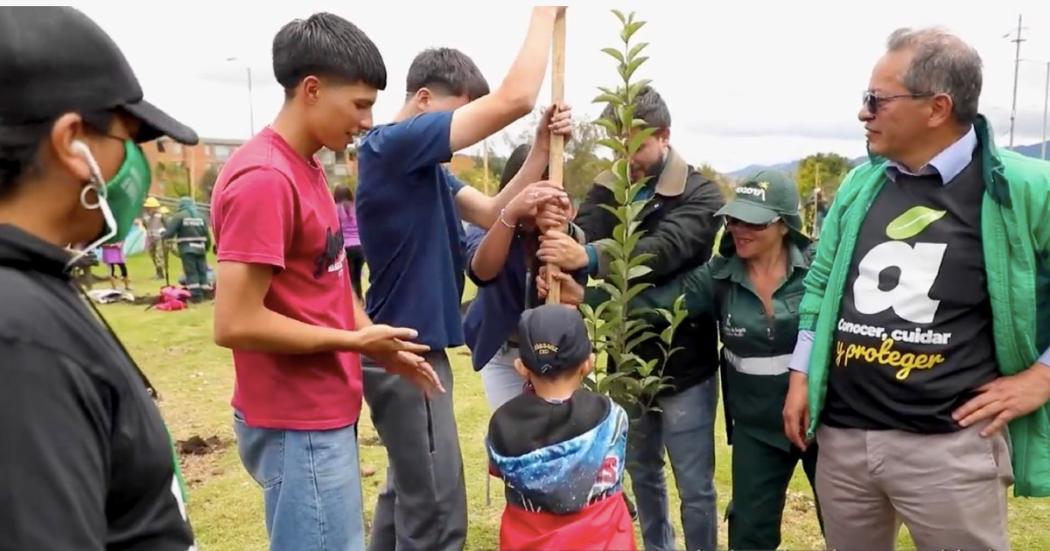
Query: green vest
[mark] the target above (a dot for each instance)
(1015, 227)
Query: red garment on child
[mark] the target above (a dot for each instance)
(605, 525)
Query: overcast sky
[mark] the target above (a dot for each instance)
(746, 82)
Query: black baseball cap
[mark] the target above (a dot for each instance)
(55, 60)
(552, 339)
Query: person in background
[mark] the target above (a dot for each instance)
(925, 327)
(560, 448)
(501, 262)
(153, 222)
(344, 202)
(190, 232)
(85, 459)
(753, 289)
(113, 256)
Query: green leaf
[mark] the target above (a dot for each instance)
(631, 385)
(631, 28)
(615, 54)
(633, 66)
(913, 222)
(619, 15)
(636, 290)
(635, 88)
(638, 271)
(636, 140)
(607, 98)
(635, 341)
(667, 335)
(608, 125)
(613, 209)
(614, 145)
(636, 50)
(614, 295)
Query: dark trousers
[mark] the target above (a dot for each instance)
(356, 258)
(196, 268)
(761, 473)
(424, 504)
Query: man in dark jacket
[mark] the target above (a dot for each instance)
(680, 228)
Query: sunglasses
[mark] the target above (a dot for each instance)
(872, 101)
(733, 222)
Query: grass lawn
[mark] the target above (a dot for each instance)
(195, 381)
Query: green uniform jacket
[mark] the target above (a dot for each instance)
(757, 347)
(1015, 230)
(190, 232)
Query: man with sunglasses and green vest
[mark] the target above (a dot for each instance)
(85, 459)
(926, 322)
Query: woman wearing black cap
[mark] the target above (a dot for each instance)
(754, 287)
(86, 459)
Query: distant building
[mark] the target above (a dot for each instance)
(165, 153)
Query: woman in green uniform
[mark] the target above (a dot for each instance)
(754, 287)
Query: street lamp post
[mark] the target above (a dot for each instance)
(251, 106)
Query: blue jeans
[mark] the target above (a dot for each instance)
(311, 484)
(685, 425)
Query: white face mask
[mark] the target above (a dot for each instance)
(98, 184)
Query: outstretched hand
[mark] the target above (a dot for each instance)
(412, 367)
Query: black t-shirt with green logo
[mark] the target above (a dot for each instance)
(914, 339)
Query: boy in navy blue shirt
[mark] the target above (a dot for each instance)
(408, 209)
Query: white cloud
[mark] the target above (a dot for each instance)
(747, 82)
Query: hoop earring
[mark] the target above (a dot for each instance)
(83, 197)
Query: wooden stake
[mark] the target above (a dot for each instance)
(557, 153)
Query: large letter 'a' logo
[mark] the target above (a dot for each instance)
(918, 265)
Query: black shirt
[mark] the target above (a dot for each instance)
(914, 339)
(528, 422)
(85, 459)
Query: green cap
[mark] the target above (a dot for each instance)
(762, 198)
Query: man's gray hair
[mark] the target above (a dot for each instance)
(943, 64)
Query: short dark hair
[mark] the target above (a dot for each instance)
(342, 193)
(327, 46)
(19, 146)
(514, 163)
(648, 106)
(448, 71)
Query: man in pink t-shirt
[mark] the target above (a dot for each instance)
(284, 304)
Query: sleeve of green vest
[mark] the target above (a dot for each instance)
(697, 285)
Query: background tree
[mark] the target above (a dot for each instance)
(823, 170)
